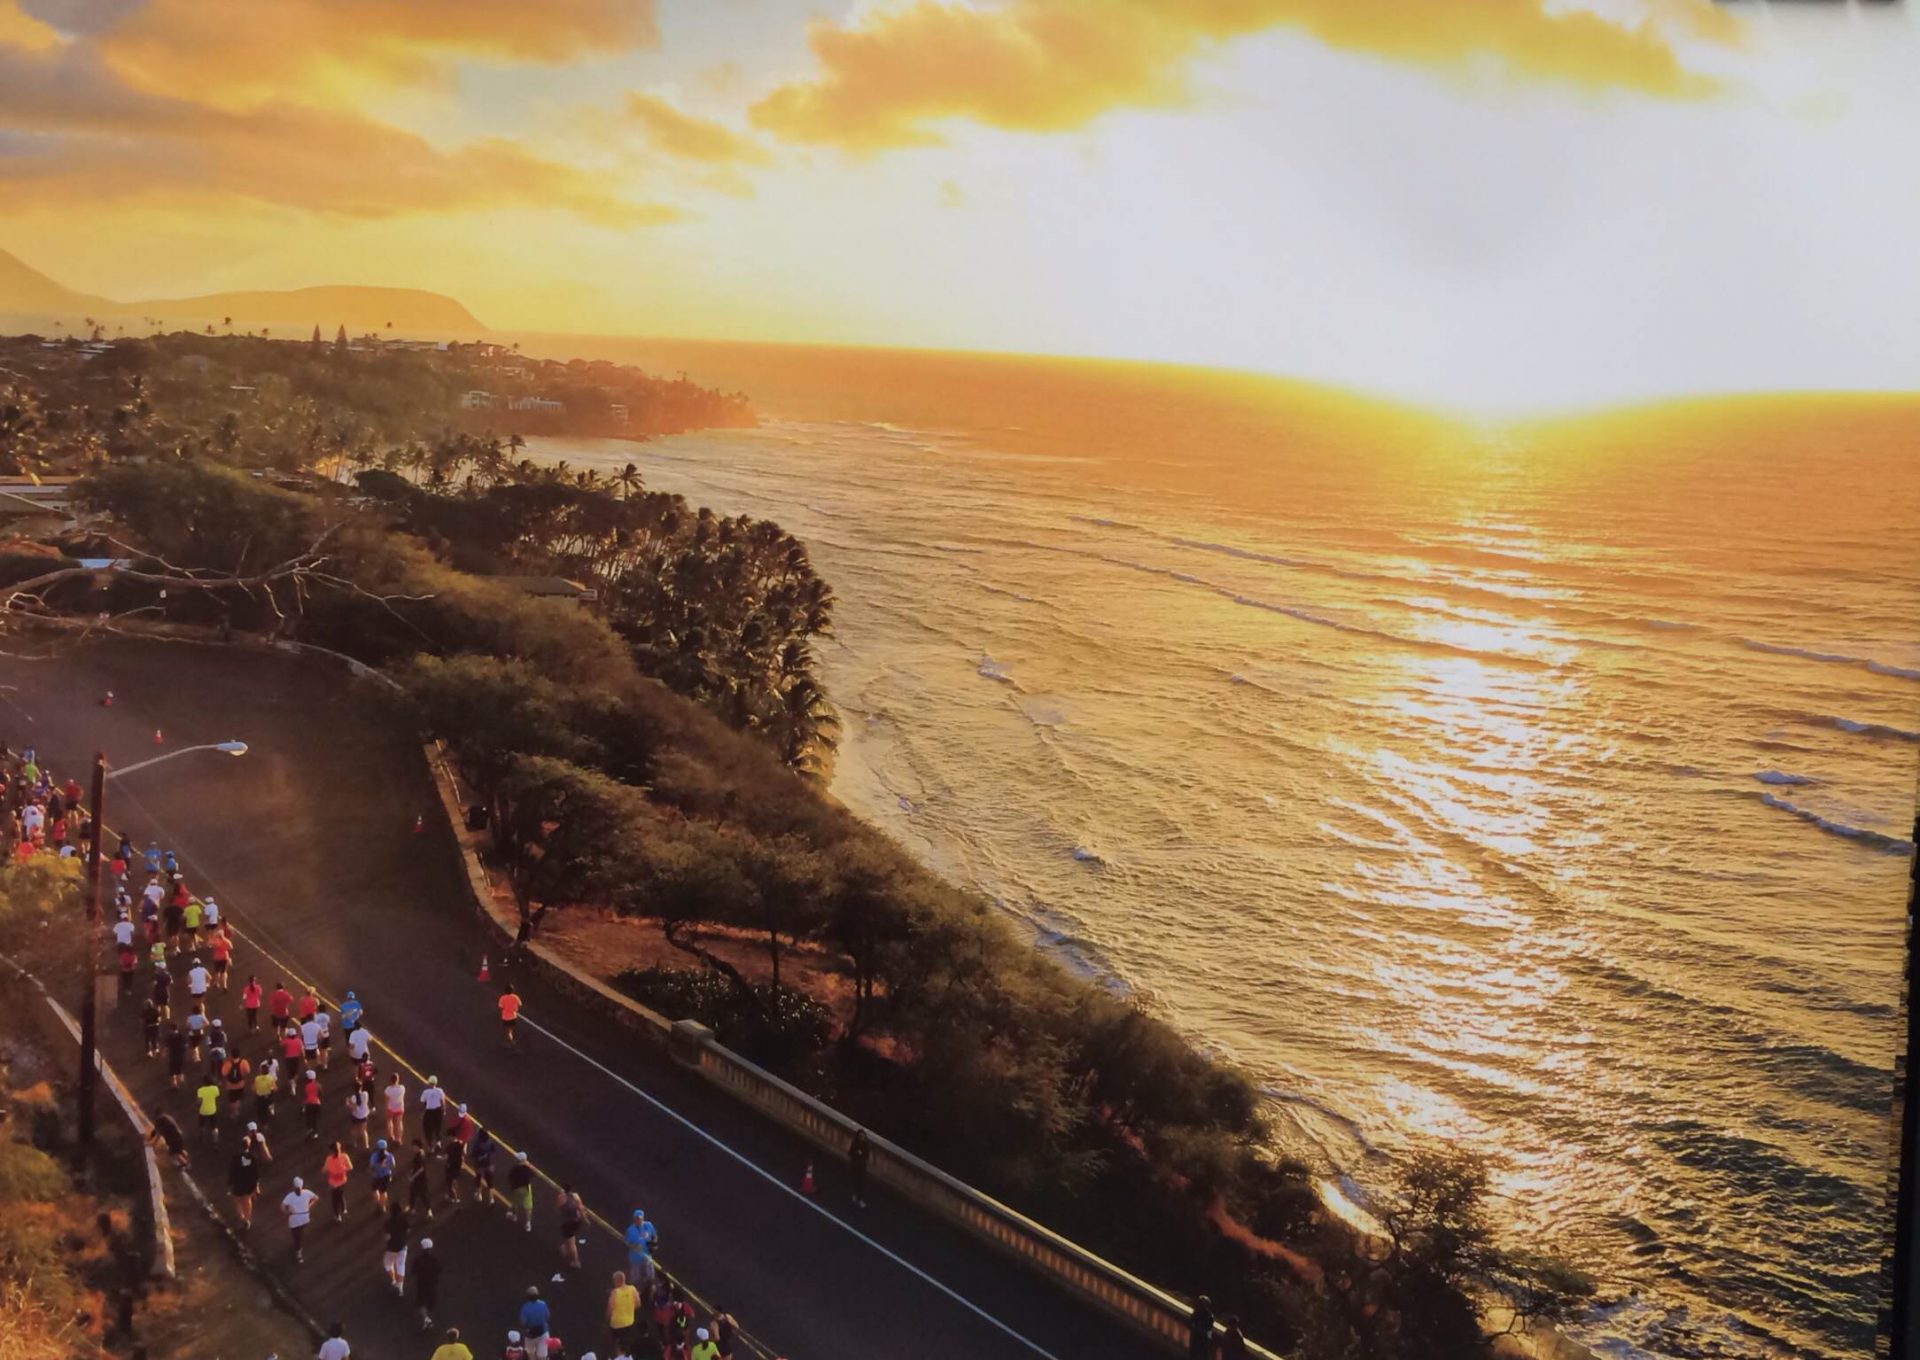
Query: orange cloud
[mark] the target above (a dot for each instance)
(233, 51)
(23, 30)
(80, 133)
(1051, 65)
(678, 133)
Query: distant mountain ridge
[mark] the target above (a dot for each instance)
(26, 291)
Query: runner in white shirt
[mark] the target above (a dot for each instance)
(310, 1038)
(298, 1207)
(325, 1027)
(210, 909)
(433, 1102)
(335, 1347)
(123, 932)
(396, 1097)
(359, 1108)
(360, 1043)
(198, 979)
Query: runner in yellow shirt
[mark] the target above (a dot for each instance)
(453, 1348)
(208, 1097)
(623, 1308)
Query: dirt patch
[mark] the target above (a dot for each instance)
(603, 945)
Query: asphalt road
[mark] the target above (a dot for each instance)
(308, 843)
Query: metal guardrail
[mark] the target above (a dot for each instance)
(163, 1264)
(1066, 1263)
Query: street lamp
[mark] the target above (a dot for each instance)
(90, 1001)
(232, 748)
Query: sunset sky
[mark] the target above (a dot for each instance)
(1496, 204)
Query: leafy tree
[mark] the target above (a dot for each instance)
(566, 833)
(1412, 1290)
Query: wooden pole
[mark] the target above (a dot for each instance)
(89, 998)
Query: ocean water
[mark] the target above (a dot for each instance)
(1546, 789)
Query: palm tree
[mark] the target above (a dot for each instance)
(628, 480)
(807, 725)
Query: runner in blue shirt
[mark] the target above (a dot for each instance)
(642, 1238)
(153, 857)
(350, 1013)
(380, 1172)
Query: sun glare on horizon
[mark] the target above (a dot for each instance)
(1468, 215)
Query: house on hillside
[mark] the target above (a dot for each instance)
(549, 587)
(618, 411)
(535, 404)
(475, 400)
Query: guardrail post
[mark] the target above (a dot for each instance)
(687, 1041)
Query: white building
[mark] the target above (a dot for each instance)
(535, 404)
(470, 401)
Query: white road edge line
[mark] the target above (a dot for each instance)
(781, 1185)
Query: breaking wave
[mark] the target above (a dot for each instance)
(1892, 845)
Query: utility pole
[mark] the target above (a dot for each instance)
(89, 998)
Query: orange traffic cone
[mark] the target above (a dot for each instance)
(485, 975)
(806, 1180)
(107, 702)
(158, 740)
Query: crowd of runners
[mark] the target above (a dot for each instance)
(268, 1076)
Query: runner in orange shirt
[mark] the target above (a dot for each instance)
(338, 1164)
(509, 1011)
(221, 946)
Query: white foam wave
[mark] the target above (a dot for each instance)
(989, 669)
(1892, 845)
(1832, 658)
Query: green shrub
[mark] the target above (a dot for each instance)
(777, 1027)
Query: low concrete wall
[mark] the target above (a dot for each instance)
(1072, 1267)
(162, 1265)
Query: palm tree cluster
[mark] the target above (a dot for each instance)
(722, 609)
